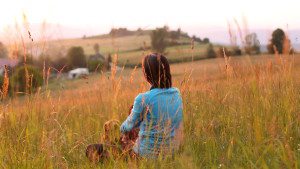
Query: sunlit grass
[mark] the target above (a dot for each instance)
(243, 115)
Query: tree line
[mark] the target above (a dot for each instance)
(279, 43)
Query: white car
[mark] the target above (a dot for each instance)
(78, 72)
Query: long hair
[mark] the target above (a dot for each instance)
(156, 70)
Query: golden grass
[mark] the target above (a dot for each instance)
(243, 117)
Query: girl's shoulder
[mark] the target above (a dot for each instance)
(158, 91)
(155, 91)
(148, 96)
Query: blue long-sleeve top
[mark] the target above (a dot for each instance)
(158, 114)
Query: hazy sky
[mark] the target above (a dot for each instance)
(98, 16)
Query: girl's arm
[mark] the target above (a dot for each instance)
(135, 116)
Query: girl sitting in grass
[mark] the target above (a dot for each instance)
(157, 112)
(154, 125)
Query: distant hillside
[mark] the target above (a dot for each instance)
(129, 45)
(122, 40)
(121, 32)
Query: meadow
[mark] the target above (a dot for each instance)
(129, 49)
(241, 112)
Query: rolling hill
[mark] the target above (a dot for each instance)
(130, 46)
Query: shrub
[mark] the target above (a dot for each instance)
(158, 39)
(223, 50)
(26, 82)
(76, 57)
(236, 51)
(210, 52)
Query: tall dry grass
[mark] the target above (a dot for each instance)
(242, 114)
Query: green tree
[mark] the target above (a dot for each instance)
(206, 41)
(3, 51)
(279, 42)
(158, 39)
(197, 39)
(76, 57)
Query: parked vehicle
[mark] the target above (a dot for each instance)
(78, 72)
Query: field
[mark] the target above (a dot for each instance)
(241, 112)
(129, 48)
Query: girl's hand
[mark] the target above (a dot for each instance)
(124, 138)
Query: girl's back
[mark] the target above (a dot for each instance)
(162, 115)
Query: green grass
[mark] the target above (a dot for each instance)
(244, 116)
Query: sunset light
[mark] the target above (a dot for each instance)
(150, 84)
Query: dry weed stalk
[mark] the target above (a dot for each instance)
(240, 32)
(5, 83)
(228, 67)
(132, 74)
(114, 67)
(44, 72)
(48, 76)
(232, 37)
(27, 80)
(185, 83)
(97, 67)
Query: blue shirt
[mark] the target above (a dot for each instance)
(158, 113)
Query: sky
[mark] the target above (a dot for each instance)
(200, 17)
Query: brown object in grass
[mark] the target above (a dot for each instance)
(116, 144)
(96, 153)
